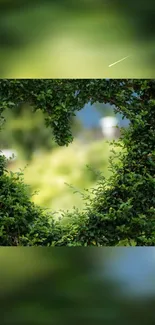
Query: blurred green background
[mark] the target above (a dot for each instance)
(77, 286)
(70, 39)
(54, 173)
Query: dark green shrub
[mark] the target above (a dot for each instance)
(22, 223)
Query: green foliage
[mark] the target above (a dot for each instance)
(22, 223)
(16, 211)
(123, 207)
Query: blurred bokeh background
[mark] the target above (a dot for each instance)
(77, 286)
(70, 39)
(54, 173)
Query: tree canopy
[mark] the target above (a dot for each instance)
(125, 210)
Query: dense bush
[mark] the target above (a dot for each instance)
(123, 207)
(21, 222)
